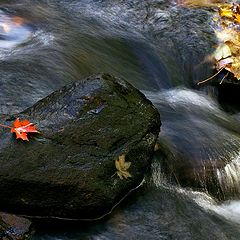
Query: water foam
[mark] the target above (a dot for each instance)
(182, 96)
(229, 176)
(230, 210)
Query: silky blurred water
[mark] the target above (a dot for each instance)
(152, 44)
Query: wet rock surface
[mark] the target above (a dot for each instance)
(228, 94)
(68, 170)
(14, 228)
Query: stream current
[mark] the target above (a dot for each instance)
(159, 48)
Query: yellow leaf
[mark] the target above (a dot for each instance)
(226, 12)
(235, 67)
(223, 51)
(157, 147)
(225, 35)
(227, 54)
(224, 62)
(122, 167)
(237, 18)
(198, 3)
(234, 48)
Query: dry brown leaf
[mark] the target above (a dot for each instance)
(235, 67)
(122, 167)
(237, 18)
(157, 147)
(223, 51)
(227, 54)
(225, 34)
(199, 3)
(224, 63)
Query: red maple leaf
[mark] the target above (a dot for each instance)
(22, 128)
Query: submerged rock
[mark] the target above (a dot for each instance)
(13, 227)
(68, 171)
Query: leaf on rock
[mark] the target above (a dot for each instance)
(157, 147)
(122, 167)
(223, 51)
(235, 67)
(224, 35)
(22, 128)
(227, 54)
(226, 11)
(237, 18)
(230, 11)
(224, 63)
(198, 3)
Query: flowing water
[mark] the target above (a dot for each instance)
(160, 49)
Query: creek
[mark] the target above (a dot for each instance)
(159, 48)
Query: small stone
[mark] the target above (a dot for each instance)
(13, 227)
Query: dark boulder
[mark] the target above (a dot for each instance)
(228, 94)
(13, 227)
(67, 170)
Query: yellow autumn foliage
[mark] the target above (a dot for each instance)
(122, 167)
(227, 19)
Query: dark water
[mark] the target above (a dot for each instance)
(159, 48)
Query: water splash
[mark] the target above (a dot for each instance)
(230, 210)
(200, 143)
(229, 176)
